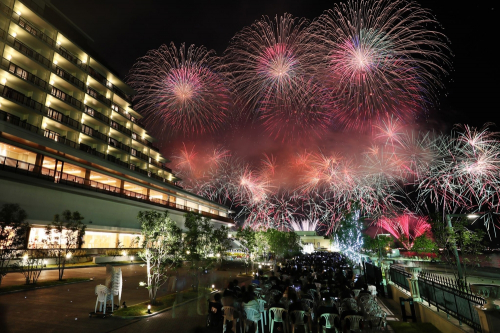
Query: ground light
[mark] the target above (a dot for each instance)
(149, 308)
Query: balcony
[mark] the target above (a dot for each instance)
(4, 9)
(20, 98)
(93, 133)
(124, 113)
(98, 96)
(29, 27)
(59, 94)
(96, 114)
(24, 49)
(116, 144)
(71, 57)
(63, 119)
(24, 74)
(120, 128)
(7, 117)
(68, 77)
(138, 154)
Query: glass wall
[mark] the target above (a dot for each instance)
(17, 153)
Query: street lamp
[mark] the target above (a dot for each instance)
(379, 248)
(454, 245)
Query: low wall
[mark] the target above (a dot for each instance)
(101, 260)
(427, 315)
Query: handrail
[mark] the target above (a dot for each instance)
(24, 74)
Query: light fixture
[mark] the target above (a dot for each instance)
(9, 57)
(84, 61)
(68, 255)
(25, 257)
(79, 140)
(131, 258)
(124, 253)
(4, 80)
(149, 308)
(83, 120)
(18, 13)
(188, 252)
(84, 101)
(55, 62)
(213, 286)
(58, 43)
(472, 216)
(48, 103)
(14, 34)
(44, 125)
(51, 82)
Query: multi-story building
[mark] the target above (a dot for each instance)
(69, 138)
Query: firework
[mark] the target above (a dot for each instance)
(378, 58)
(405, 228)
(180, 89)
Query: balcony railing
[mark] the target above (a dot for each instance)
(5, 116)
(5, 9)
(13, 165)
(27, 51)
(102, 79)
(98, 96)
(33, 6)
(71, 57)
(94, 133)
(58, 116)
(68, 77)
(114, 143)
(120, 128)
(24, 74)
(29, 27)
(96, 114)
(59, 94)
(20, 98)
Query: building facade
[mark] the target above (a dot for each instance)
(69, 137)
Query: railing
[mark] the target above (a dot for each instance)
(29, 27)
(121, 128)
(92, 92)
(58, 116)
(24, 74)
(68, 77)
(91, 151)
(455, 299)
(10, 164)
(102, 79)
(14, 120)
(59, 94)
(27, 51)
(114, 143)
(20, 98)
(33, 6)
(5, 9)
(96, 114)
(71, 57)
(94, 133)
(124, 113)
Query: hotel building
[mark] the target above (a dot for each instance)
(69, 138)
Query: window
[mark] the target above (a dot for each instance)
(18, 71)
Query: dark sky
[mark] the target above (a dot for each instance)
(126, 30)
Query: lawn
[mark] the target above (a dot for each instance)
(161, 303)
(402, 327)
(41, 284)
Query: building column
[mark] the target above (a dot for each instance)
(38, 163)
(87, 177)
(122, 186)
(148, 193)
(413, 282)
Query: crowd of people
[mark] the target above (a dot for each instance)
(317, 284)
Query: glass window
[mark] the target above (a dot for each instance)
(135, 188)
(104, 179)
(17, 153)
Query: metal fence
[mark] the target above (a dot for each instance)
(455, 299)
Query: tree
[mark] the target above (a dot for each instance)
(373, 245)
(161, 248)
(283, 243)
(261, 244)
(13, 233)
(246, 236)
(199, 238)
(220, 241)
(64, 236)
(424, 244)
(348, 235)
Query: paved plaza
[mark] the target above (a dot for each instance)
(66, 308)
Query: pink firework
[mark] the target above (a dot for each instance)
(381, 58)
(180, 89)
(266, 64)
(405, 228)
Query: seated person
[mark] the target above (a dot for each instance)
(296, 305)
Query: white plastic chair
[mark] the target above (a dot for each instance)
(329, 321)
(253, 316)
(276, 316)
(262, 309)
(228, 316)
(116, 287)
(102, 293)
(297, 319)
(356, 292)
(354, 322)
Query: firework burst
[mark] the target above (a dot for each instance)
(181, 89)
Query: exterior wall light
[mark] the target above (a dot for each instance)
(14, 34)
(48, 103)
(9, 57)
(51, 82)
(55, 62)
(4, 81)
(58, 43)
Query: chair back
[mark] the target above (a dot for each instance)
(354, 322)
(277, 314)
(252, 314)
(313, 293)
(308, 303)
(298, 317)
(261, 305)
(356, 292)
(329, 319)
(102, 292)
(364, 298)
(228, 312)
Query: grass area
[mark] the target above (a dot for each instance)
(161, 303)
(402, 327)
(52, 283)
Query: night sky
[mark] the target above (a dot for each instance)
(126, 30)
